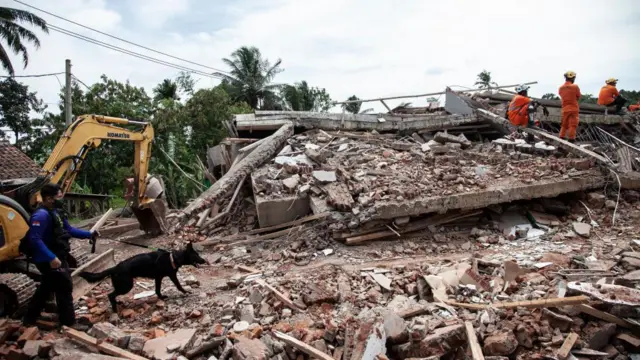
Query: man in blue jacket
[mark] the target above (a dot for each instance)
(48, 246)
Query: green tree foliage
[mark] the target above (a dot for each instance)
(16, 36)
(250, 78)
(353, 108)
(16, 102)
(588, 99)
(302, 97)
(632, 96)
(484, 80)
(167, 89)
(550, 96)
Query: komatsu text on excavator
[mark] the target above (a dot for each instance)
(83, 135)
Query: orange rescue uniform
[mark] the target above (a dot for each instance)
(519, 110)
(608, 94)
(569, 93)
(635, 107)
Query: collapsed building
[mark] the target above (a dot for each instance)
(478, 244)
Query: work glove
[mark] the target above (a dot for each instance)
(94, 238)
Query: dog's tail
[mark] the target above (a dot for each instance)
(95, 277)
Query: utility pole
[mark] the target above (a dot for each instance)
(67, 93)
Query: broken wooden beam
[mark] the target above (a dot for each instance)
(604, 316)
(566, 347)
(282, 297)
(105, 347)
(542, 303)
(307, 349)
(553, 140)
(476, 350)
(225, 185)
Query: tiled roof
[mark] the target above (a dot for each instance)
(14, 164)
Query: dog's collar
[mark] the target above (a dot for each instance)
(173, 264)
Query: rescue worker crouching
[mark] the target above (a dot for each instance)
(610, 96)
(47, 242)
(570, 94)
(634, 107)
(521, 110)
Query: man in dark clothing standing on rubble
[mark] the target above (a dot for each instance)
(47, 242)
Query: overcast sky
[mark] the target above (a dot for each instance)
(370, 48)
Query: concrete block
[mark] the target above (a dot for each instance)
(157, 348)
(274, 211)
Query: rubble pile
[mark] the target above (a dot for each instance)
(525, 293)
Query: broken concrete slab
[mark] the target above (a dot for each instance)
(395, 328)
(582, 229)
(442, 341)
(496, 194)
(105, 330)
(323, 176)
(270, 120)
(157, 348)
(444, 138)
(501, 344)
(249, 349)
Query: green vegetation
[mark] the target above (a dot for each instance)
(186, 121)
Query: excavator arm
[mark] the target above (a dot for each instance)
(86, 134)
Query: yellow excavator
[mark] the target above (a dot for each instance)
(17, 278)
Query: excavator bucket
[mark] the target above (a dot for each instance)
(152, 217)
(152, 213)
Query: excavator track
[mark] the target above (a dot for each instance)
(15, 292)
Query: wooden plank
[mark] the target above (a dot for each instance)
(277, 294)
(415, 311)
(119, 229)
(307, 349)
(628, 338)
(102, 220)
(277, 234)
(571, 300)
(566, 347)
(387, 106)
(604, 316)
(105, 347)
(288, 224)
(476, 350)
(202, 217)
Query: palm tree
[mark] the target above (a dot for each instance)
(484, 80)
(298, 97)
(167, 89)
(250, 76)
(15, 35)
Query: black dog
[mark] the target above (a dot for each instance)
(155, 265)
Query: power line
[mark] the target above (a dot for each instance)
(129, 52)
(121, 39)
(31, 76)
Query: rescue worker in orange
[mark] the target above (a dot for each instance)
(610, 96)
(570, 94)
(518, 112)
(634, 107)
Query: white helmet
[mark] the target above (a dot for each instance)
(522, 88)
